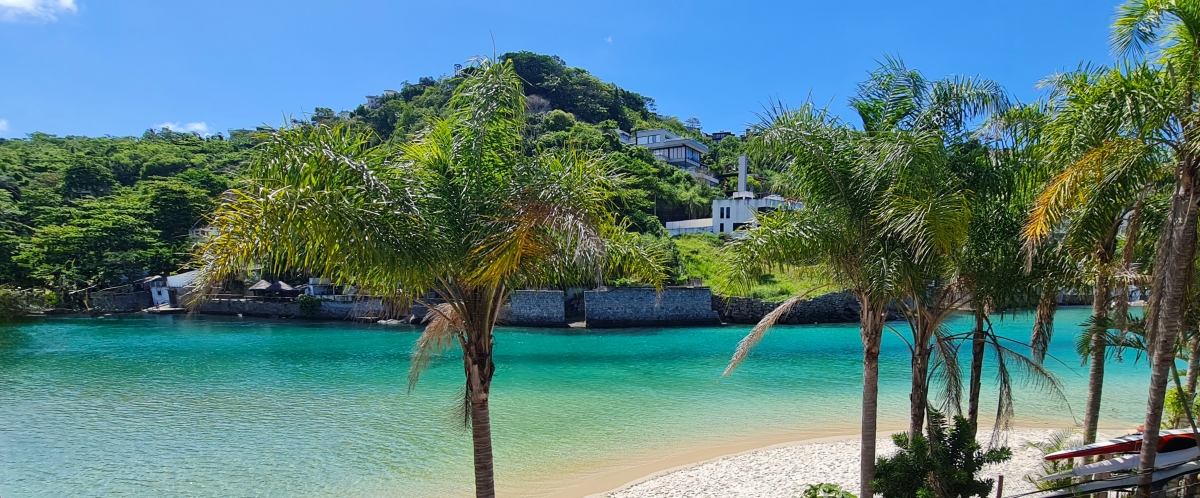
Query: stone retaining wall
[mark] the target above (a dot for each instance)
(535, 308)
(636, 306)
(837, 307)
(329, 310)
(124, 302)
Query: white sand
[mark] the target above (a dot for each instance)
(787, 471)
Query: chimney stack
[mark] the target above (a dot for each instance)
(742, 191)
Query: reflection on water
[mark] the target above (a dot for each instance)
(230, 407)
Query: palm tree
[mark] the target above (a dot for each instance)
(837, 235)
(1167, 122)
(929, 204)
(463, 212)
(1100, 179)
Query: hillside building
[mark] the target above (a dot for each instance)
(728, 215)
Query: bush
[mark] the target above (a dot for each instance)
(942, 465)
(1176, 416)
(309, 305)
(826, 490)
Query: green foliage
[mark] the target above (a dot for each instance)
(1059, 440)
(943, 465)
(1173, 410)
(80, 212)
(86, 177)
(557, 120)
(699, 256)
(309, 305)
(826, 490)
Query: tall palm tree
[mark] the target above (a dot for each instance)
(1170, 123)
(463, 212)
(1100, 177)
(929, 205)
(838, 235)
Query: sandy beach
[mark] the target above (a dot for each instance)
(786, 470)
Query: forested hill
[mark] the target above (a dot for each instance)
(82, 212)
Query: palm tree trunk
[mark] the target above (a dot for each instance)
(918, 398)
(1098, 352)
(871, 329)
(481, 439)
(1173, 265)
(1193, 368)
(978, 341)
(480, 307)
(1043, 325)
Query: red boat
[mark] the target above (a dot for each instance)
(1169, 440)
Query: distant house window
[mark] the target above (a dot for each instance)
(648, 139)
(722, 228)
(693, 155)
(676, 153)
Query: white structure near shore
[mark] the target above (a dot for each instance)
(728, 215)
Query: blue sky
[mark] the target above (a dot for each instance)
(106, 67)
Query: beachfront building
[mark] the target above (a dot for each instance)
(682, 152)
(728, 215)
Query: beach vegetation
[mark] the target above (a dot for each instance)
(309, 305)
(1058, 441)
(944, 463)
(826, 490)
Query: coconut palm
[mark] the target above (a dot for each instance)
(462, 212)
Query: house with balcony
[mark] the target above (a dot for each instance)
(682, 152)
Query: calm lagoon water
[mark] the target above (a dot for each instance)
(159, 406)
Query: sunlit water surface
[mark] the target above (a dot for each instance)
(176, 406)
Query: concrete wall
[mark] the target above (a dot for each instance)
(838, 307)
(330, 310)
(634, 306)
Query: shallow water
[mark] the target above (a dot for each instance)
(156, 406)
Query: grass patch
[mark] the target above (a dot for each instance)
(699, 255)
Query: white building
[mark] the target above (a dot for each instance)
(730, 214)
(166, 291)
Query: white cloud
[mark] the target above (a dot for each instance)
(3, 125)
(41, 10)
(200, 127)
(607, 38)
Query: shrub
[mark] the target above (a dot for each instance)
(1058, 441)
(1176, 416)
(942, 465)
(309, 305)
(826, 490)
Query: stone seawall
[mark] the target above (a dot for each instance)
(535, 308)
(124, 302)
(836, 307)
(329, 310)
(636, 306)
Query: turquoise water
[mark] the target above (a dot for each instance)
(158, 406)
